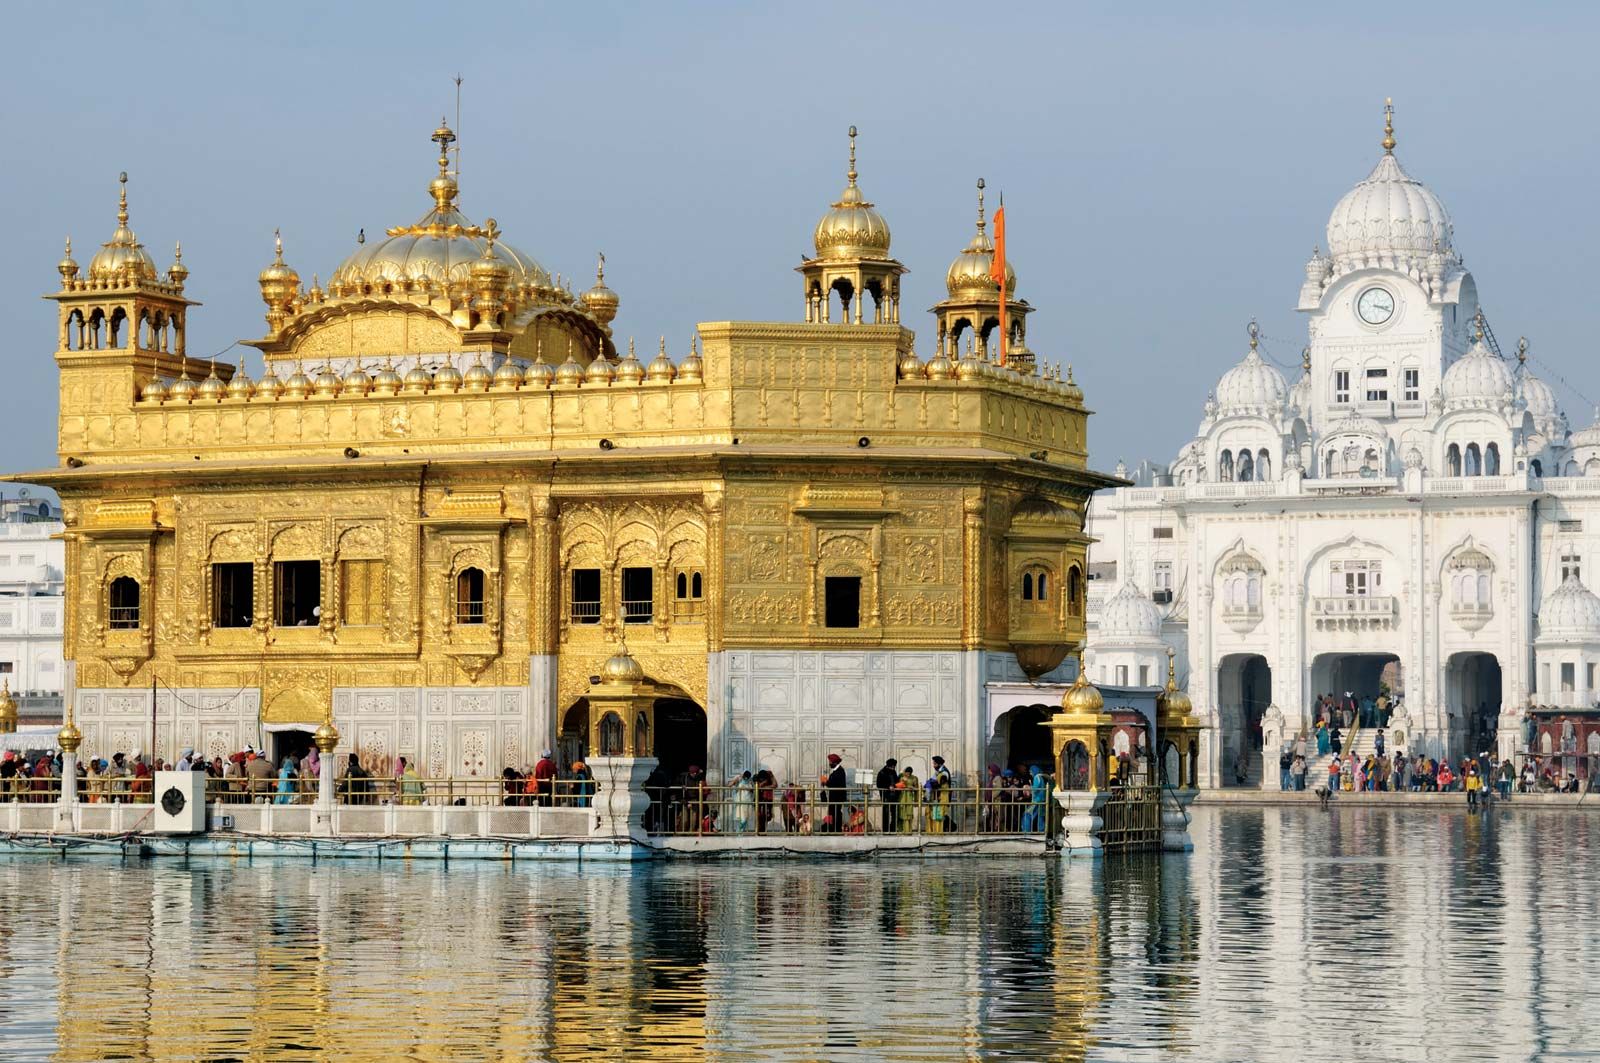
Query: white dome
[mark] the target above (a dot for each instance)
(1478, 375)
(1539, 397)
(1251, 386)
(1389, 215)
(1571, 611)
(1129, 614)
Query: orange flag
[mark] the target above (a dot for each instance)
(997, 270)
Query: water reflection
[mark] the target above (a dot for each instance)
(1287, 934)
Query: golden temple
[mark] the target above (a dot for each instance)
(451, 494)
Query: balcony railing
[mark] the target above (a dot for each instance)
(585, 612)
(123, 616)
(640, 611)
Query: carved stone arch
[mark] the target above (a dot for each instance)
(123, 564)
(637, 542)
(363, 541)
(839, 546)
(473, 556)
(1354, 546)
(1468, 553)
(298, 542)
(1237, 556)
(232, 545)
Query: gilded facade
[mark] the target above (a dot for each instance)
(452, 494)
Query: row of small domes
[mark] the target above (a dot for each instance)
(447, 377)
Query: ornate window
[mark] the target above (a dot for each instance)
(298, 593)
(1242, 578)
(585, 601)
(1472, 463)
(232, 594)
(1491, 460)
(1225, 466)
(1074, 591)
(1468, 575)
(638, 595)
(1247, 466)
(1355, 578)
(469, 596)
(1452, 460)
(1036, 585)
(841, 601)
(122, 603)
(1263, 465)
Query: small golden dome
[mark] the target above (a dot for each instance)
(601, 371)
(70, 737)
(692, 369)
(1173, 701)
(326, 739)
(477, 377)
(356, 382)
(155, 390)
(447, 378)
(269, 386)
(539, 375)
(279, 277)
(1082, 697)
(122, 259)
(298, 383)
(601, 301)
(970, 276)
(940, 367)
(387, 382)
(621, 668)
(1071, 390)
(630, 370)
(212, 386)
(569, 372)
(910, 366)
(328, 383)
(852, 228)
(418, 380)
(509, 376)
(661, 369)
(971, 367)
(177, 273)
(240, 386)
(68, 266)
(182, 389)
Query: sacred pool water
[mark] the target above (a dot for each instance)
(1288, 934)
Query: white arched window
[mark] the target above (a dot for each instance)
(1331, 466)
(1491, 460)
(1467, 576)
(1225, 466)
(1472, 464)
(1247, 467)
(1452, 460)
(1263, 465)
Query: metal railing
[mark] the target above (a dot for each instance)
(638, 611)
(1131, 818)
(585, 612)
(25, 789)
(740, 809)
(468, 791)
(122, 616)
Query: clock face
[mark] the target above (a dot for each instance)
(1375, 306)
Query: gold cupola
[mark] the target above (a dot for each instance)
(852, 260)
(692, 368)
(240, 386)
(602, 301)
(971, 273)
(387, 381)
(661, 370)
(972, 300)
(177, 273)
(68, 266)
(356, 381)
(122, 260)
(280, 284)
(1082, 698)
(212, 387)
(630, 370)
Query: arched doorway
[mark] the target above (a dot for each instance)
(572, 742)
(680, 736)
(1472, 697)
(1021, 739)
(1244, 690)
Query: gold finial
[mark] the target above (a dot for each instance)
(444, 137)
(277, 241)
(122, 198)
(1522, 350)
(630, 346)
(1477, 321)
(69, 248)
(1388, 126)
(1255, 333)
(491, 233)
(852, 172)
(177, 249)
(600, 269)
(1305, 359)
(663, 346)
(1069, 372)
(694, 344)
(980, 205)
(1172, 668)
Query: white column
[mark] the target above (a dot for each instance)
(69, 778)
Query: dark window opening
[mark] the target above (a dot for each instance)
(469, 596)
(1027, 586)
(842, 601)
(638, 595)
(123, 603)
(585, 596)
(299, 592)
(695, 586)
(1074, 592)
(233, 594)
(683, 585)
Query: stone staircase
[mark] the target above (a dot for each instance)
(1359, 740)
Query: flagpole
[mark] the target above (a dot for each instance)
(997, 269)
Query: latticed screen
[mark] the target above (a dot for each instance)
(363, 593)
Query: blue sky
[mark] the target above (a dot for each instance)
(1166, 174)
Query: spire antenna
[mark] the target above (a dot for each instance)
(1388, 126)
(1255, 333)
(981, 222)
(122, 198)
(852, 171)
(458, 125)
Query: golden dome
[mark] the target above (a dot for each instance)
(601, 370)
(852, 229)
(240, 386)
(177, 273)
(326, 739)
(477, 377)
(601, 301)
(269, 386)
(1172, 701)
(122, 259)
(70, 737)
(969, 275)
(297, 384)
(1082, 697)
(621, 668)
(970, 367)
(68, 266)
(1070, 389)
(538, 375)
(155, 390)
(212, 386)
(630, 370)
(569, 372)
(328, 382)
(692, 369)
(910, 366)
(182, 389)
(356, 381)
(447, 378)
(940, 367)
(418, 380)
(279, 278)
(439, 250)
(509, 375)
(387, 382)
(661, 368)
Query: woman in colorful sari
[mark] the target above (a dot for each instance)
(1034, 820)
(930, 801)
(310, 770)
(410, 786)
(909, 792)
(1322, 738)
(286, 774)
